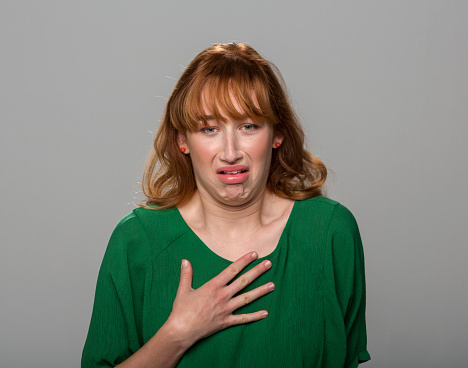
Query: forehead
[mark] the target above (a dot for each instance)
(228, 107)
(223, 99)
(228, 104)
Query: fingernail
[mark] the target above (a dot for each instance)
(267, 264)
(264, 314)
(254, 255)
(184, 263)
(271, 287)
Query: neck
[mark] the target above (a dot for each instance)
(204, 212)
(232, 231)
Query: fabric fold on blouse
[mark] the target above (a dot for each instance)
(316, 313)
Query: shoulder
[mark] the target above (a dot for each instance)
(343, 239)
(328, 209)
(322, 217)
(128, 231)
(142, 222)
(146, 232)
(128, 244)
(343, 221)
(319, 204)
(161, 225)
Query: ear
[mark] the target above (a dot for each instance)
(182, 141)
(277, 139)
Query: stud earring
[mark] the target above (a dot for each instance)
(277, 144)
(182, 149)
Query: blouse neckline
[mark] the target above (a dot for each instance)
(211, 253)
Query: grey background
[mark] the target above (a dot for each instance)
(381, 87)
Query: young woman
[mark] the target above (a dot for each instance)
(235, 259)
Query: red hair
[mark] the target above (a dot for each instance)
(227, 72)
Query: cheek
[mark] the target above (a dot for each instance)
(260, 156)
(261, 148)
(201, 155)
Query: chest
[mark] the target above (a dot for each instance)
(264, 241)
(292, 333)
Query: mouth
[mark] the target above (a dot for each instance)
(233, 172)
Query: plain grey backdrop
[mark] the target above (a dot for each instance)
(382, 90)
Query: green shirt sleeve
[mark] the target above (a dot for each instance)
(345, 299)
(113, 334)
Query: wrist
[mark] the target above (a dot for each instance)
(178, 333)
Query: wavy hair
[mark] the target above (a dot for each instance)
(223, 73)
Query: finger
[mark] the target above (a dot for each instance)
(239, 319)
(248, 277)
(186, 273)
(235, 268)
(249, 297)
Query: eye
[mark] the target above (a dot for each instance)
(208, 130)
(250, 127)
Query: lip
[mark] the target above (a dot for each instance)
(234, 174)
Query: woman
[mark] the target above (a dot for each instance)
(235, 260)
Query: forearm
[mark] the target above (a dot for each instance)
(163, 350)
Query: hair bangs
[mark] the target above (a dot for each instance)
(230, 82)
(231, 94)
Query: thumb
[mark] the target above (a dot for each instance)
(186, 273)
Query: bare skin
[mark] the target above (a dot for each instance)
(261, 223)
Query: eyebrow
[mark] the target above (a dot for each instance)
(211, 117)
(207, 117)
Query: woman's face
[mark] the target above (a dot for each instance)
(231, 160)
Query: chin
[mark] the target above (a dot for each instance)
(237, 196)
(234, 201)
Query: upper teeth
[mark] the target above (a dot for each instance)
(232, 172)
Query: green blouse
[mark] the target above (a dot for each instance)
(316, 313)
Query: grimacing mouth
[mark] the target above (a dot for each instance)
(232, 172)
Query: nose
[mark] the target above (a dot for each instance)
(230, 152)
